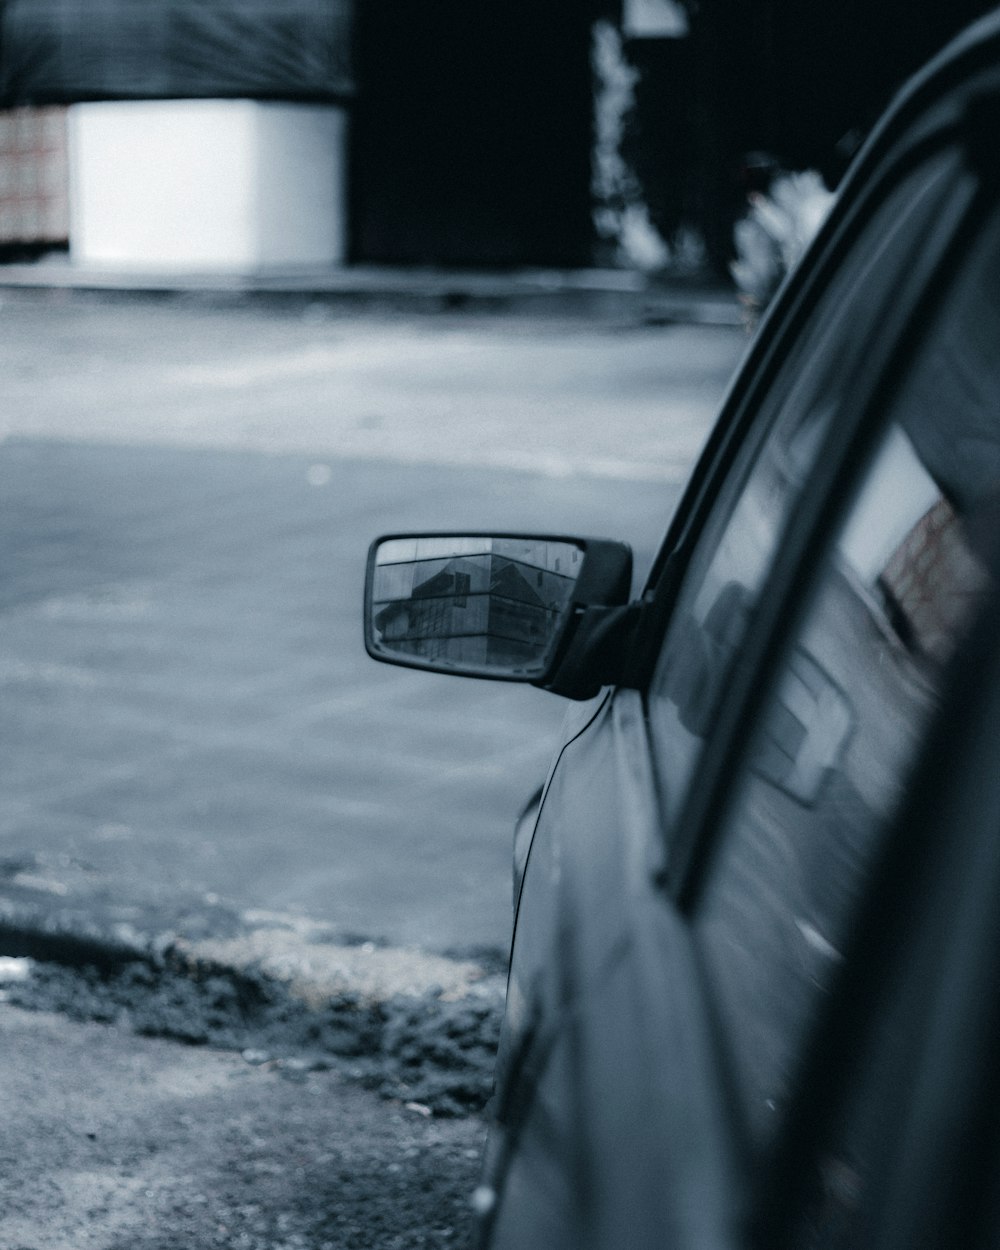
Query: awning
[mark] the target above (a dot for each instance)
(62, 51)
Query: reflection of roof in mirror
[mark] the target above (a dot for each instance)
(555, 556)
(407, 550)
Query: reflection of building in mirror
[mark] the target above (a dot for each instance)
(546, 553)
(496, 610)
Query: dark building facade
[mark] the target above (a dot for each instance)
(478, 128)
(68, 51)
(472, 132)
(800, 82)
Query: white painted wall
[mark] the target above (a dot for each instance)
(206, 184)
(301, 184)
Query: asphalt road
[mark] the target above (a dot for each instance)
(189, 723)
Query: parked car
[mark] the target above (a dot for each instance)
(753, 995)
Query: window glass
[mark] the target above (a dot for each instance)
(740, 540)
(830, 756)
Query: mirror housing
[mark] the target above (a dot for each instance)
(506, 607)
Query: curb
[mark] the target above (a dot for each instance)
(414, 1027)
(587, 292)
(312, 960)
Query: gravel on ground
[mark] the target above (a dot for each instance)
(114, 1141)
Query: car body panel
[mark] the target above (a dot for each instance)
(619, 1120)
(596, 946)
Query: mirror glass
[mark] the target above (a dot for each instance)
(487, 605)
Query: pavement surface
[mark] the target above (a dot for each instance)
(110, 1141)
(192, 729)
(254, 888)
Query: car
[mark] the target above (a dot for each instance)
(752, 997)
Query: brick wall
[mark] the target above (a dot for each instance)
(34, 198)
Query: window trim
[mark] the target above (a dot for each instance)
(814, 517)
(695, 837)
(818, 342)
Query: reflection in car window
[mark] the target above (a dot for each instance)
(737, 548)
(830, 757)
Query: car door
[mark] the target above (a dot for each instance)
(895, 1139)
(854, 679)
(616, 1115)
(844, 905)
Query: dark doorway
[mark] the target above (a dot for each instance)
(471, 133)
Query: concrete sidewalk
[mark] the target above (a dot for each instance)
(560, 292)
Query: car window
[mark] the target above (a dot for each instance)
(740, 539)
(830, 756)
(898, 1140)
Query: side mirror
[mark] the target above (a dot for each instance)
(500, 606)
